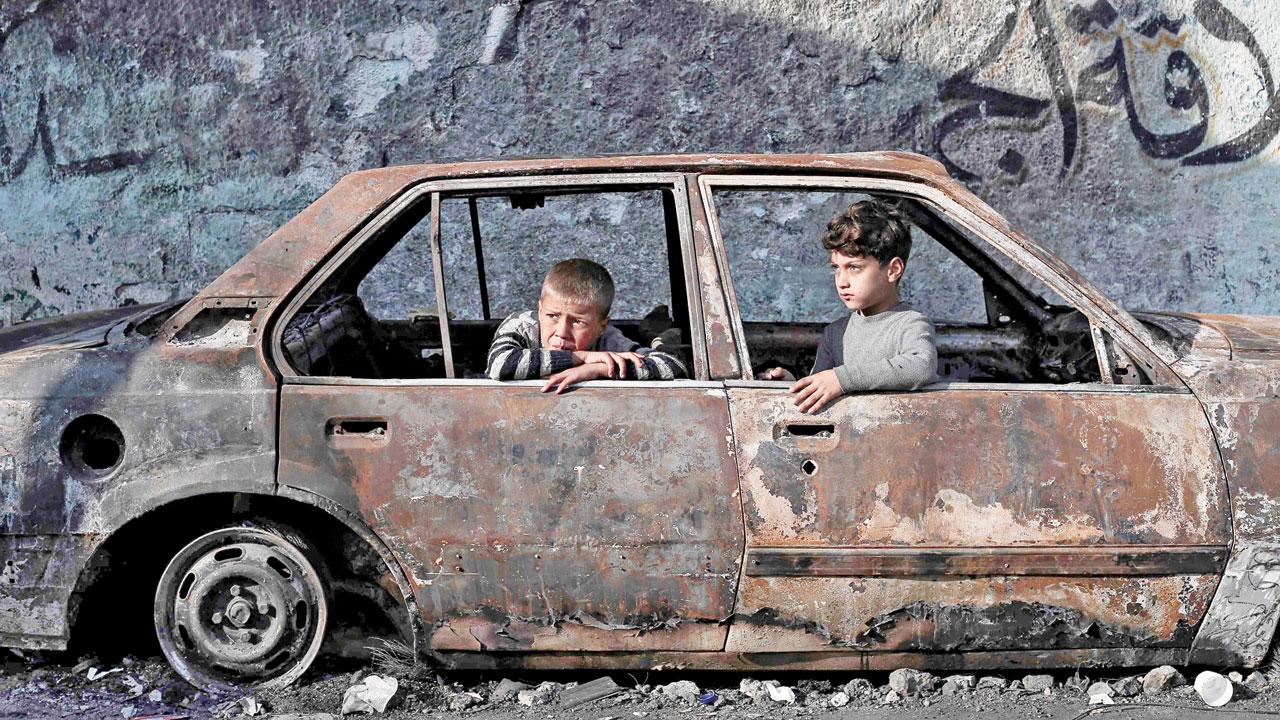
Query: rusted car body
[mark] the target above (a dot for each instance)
(700, 523)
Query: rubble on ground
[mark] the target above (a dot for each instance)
(140, 689)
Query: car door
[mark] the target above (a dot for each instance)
(971, 516)
(603, 519)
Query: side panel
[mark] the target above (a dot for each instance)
(909, 521)
(196, 415)
(604, 519)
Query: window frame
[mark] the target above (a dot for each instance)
(433, 191)
(1163, 379)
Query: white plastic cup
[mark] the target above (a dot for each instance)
(1213, 688)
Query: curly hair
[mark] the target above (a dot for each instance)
(869, 228)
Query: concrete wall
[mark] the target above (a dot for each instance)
(145, 145)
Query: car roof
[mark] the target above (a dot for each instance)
(273, 267)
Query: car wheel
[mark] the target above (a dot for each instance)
(241, 606)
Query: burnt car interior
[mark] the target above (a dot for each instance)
(1024, 339)
(336, 335)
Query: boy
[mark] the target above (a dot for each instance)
(569, 339)
(883, 344)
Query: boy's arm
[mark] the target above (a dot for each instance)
(915, 365)
(654, 364)
(515, 353)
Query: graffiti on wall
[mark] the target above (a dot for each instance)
(19, 146)
(1108, 78)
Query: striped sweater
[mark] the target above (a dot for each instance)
(517, 353)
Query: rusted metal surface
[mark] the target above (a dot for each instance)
(601, 520)
(986, 468)
(717, 323)
(791, 614)
(1096, 561)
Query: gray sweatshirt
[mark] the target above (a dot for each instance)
(891, 350)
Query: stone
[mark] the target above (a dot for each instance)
(463, 700)
(1038, 682)
(859, 687)
(780, 693)
(1127, 687)
(1235, 677)
(839, 699)
(753, 689)
(1015, 685)
(1256, 682)
(1162, 679)
(992, 682)
(684, 690)
(541, 695)
(909, 683)
(963, 682)
(506, 690)
(891, 697)
(1100, 688)
(305, 716)
(950, 688)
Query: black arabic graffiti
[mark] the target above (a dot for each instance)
(1107, 82)
(14, 164)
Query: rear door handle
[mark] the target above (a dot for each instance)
(372, 429)
(804, 430)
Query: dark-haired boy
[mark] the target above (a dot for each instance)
(884, 344)
(569, 339)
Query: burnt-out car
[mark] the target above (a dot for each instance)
(311, 442)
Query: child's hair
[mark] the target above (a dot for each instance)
(869, 227)
(581, 281)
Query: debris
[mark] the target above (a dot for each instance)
(155, 696)
(1127, 687)
(753, 689)
(891, 697)
(463, 700)
(909, 683)
(541, 695)
(780, 693)
(839, 699)
(708, 698)
(1015, 685)
(96, 674)
(1038, 682)
(681, 690)
(506, 690)
(1100, 689)
(858, 687)
(1235, 677)
(136, 686)
(372, 695)
(1101, 700)
(249, 706)
(963, 682)
(1213, 688)
(128, 711)
(305, 716)
(1256, 682)
(992, 682)
(1162, 679)
(597, 689)
(1076, 682)
(83, 665)
(949, 688)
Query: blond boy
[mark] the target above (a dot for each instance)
(569, 340)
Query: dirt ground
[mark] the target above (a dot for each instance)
(59, 687)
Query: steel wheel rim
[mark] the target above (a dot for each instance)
(240, 606)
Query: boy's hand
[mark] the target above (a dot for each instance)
(574, 375)
(815, 391)
(615, 361)
(777, 373)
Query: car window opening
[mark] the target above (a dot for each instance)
(378, 316)
(991, 324)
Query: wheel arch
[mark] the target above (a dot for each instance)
(115, 563)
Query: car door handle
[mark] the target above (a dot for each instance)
(356, 428)
(805, 430)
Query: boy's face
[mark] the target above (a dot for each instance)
(568, 325)
(865, 284)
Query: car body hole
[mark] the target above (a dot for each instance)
(92, 446)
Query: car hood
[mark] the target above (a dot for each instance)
(75, 331)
